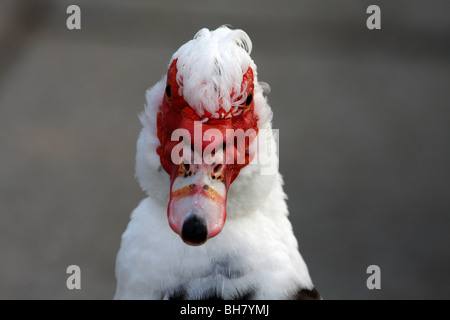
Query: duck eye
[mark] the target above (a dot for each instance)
(249, 100)
(168, 92)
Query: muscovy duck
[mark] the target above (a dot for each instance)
(197, 175)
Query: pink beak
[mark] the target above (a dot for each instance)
(197, 206)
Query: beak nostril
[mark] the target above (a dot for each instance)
(217, 168)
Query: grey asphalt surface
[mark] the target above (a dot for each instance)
(364, 135)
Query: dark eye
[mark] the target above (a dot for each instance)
(249, 100)
(168, 92)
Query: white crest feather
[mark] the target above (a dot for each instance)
(211, 68)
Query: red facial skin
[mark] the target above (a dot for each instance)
(175, 113)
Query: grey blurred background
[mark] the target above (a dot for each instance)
(364, 135)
